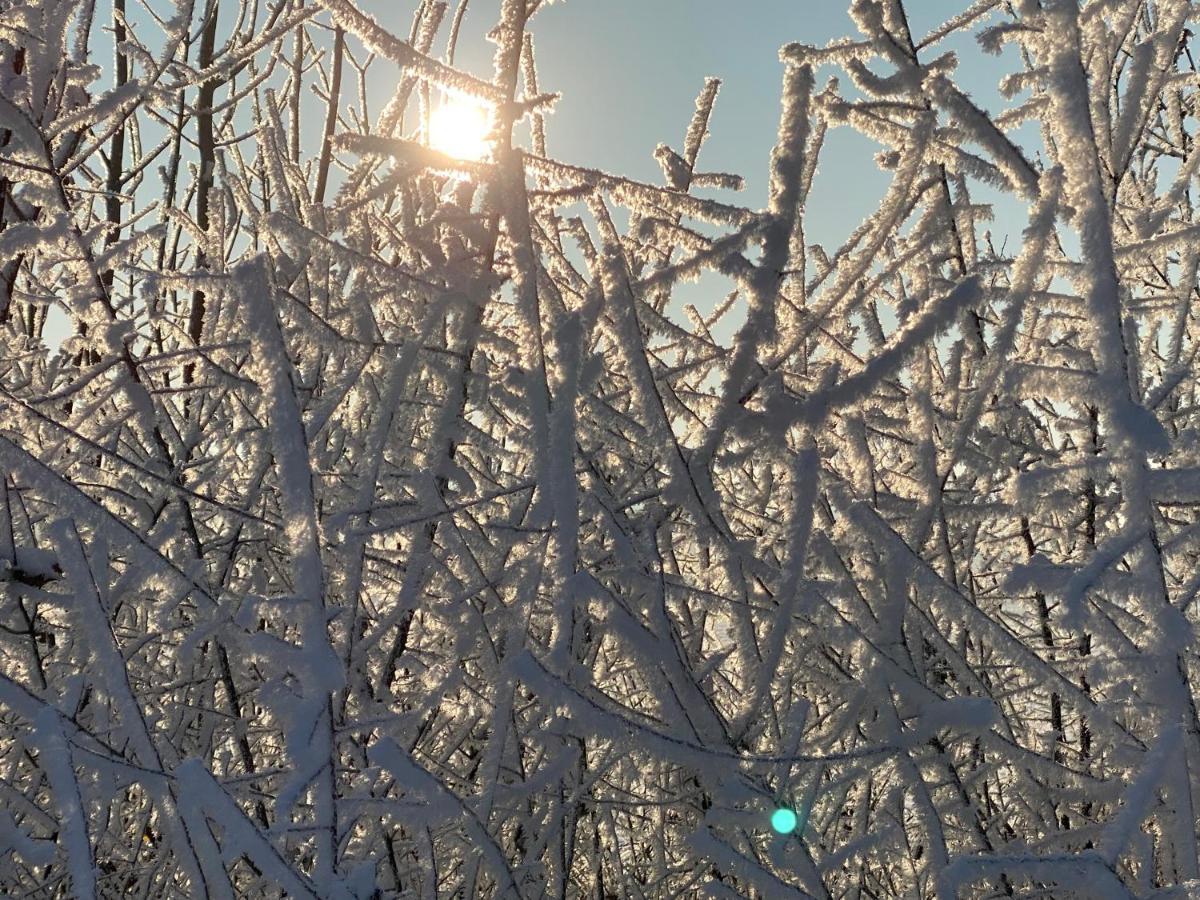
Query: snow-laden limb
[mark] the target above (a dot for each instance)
(57, 760)
(443, 805)
(14, 840)
(71, 500)
(917, 332)
(379, 40)
(639, 195)
(1070, 875)
(309, 725)
(104, 656)
(711, 847)
(1137, 800)
(983, 131)
(241, 836)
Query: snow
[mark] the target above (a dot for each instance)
(521, 528)
(56, 760)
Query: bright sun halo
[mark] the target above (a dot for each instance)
(460, 127)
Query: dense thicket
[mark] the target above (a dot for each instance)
(387, 526)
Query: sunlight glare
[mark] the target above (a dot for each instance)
(460, 127)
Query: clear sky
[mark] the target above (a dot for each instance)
(629, 72)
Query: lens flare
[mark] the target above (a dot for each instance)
(784, 821)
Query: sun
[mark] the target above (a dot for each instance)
(460, 127)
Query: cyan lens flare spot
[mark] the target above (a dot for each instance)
(784, 821)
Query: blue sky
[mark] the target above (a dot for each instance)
(629, 72)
